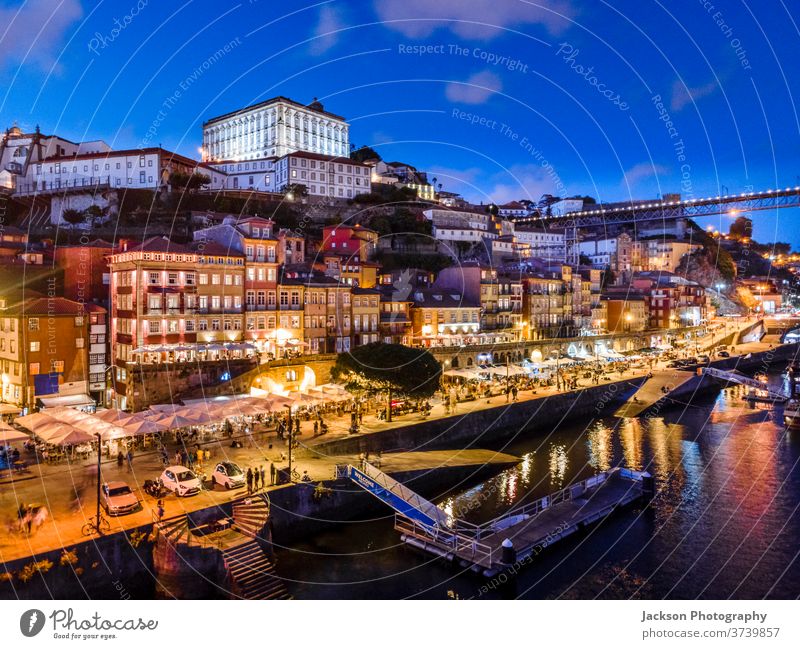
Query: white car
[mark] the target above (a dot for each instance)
(180, 480)
(228, 474)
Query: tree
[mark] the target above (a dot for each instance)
(364, 153)
(73, 217)
(741, 228)
(297, 190)
(189, 182)
(396, 369)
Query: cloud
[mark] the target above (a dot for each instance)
(682, 96)
(39, 26)
(330, 21)
(642, 171)
(475, 90)
(473, 19)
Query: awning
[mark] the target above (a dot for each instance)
(67, 401)
(9, 409)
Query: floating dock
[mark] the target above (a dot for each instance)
(653, 390)
(523, 531)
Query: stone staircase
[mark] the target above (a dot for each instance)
(252, 574)
(251, 514)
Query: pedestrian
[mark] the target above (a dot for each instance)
(160, 509)
(130, 460)
(316, 428)
(263, 473)
(255, 479)
(272, 473)
(297, 427)
(249, 481)
(120, 459)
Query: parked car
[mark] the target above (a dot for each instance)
(675, 364)
(117, 498)
(180, 480)
(704, 359)
(723, 354)
(228, 474)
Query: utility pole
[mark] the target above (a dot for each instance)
(99, 457)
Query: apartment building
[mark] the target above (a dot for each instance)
(365, 312)
(547, 306)
(499, 296)
(175, 303)
(395, 315)
(147, 168)
(444, 317)
(45, 350)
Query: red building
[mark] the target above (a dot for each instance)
(86, 273)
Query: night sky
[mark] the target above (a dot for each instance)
(498, 99)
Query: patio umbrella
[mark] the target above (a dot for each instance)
(32, 422)
(9, 435)
(174, 421)
(114, 416)
(143, 427)
(74, 436)
(52, 430)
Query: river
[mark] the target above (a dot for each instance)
(724, 522)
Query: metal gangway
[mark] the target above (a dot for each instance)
(400, 498)
(734, 376)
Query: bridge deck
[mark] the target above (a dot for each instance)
(652, 391)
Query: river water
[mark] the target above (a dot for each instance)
(725, 521)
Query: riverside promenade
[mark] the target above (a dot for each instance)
(56, 487)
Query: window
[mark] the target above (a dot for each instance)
(189, 279)
(33, 324)
(79, 343)
(152, 279)
(35, 345)
(56, 366)
(189, 326)
(154, 326)
(33, 368)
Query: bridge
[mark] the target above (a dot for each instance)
(666, 210)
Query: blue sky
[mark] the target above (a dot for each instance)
(499, 99)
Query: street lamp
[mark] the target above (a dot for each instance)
(291, 436)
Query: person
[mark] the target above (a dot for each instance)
(249, 481)
(130, 460)
(120, 459)
(262, 472)
(297, 427)
(514, 392)
(272, 473)
(316, 428)
(160, 510)
(306, 477)
(255, 479)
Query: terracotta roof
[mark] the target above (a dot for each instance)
(47, 306)
(160, 244)
(170, 155)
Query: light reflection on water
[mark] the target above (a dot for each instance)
(723, 523)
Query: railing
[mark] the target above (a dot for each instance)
(459, 545)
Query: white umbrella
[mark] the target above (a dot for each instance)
(175, 421)
(143, 427)
(32, 422)
(73, 436)
(9, 435)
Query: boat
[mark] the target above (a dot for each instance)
(791, 411)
